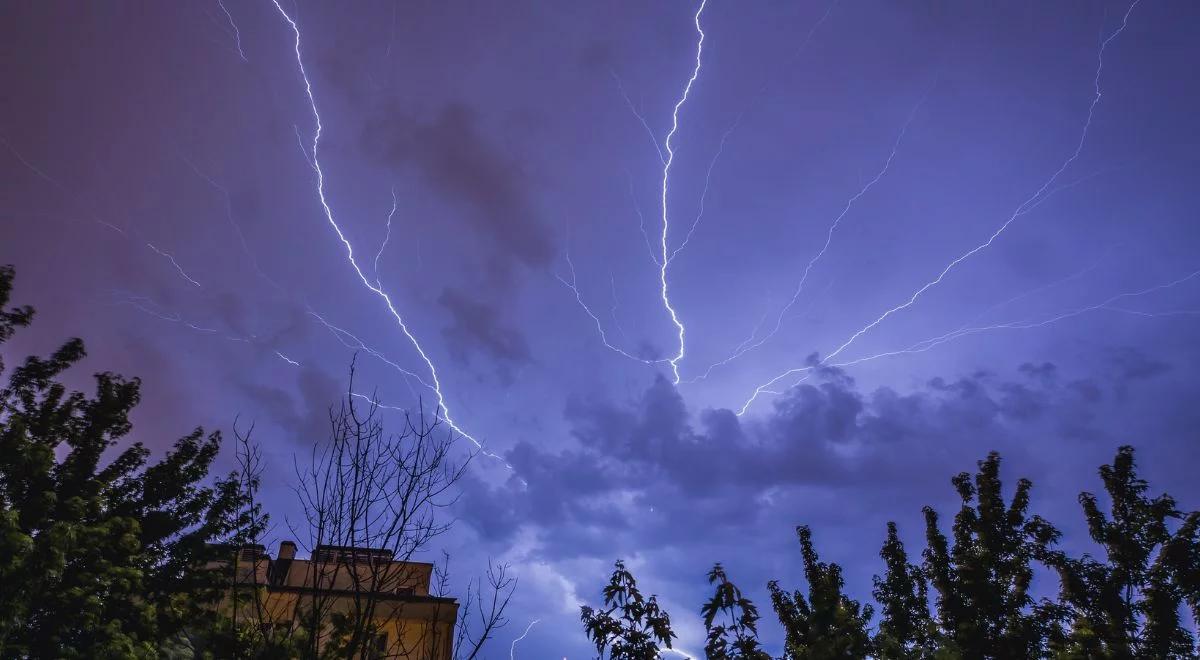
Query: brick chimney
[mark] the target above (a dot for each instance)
(287, 550)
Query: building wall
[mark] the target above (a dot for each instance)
(280, 595)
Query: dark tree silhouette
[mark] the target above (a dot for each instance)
(631, 626)
(1129, 604)
(906, 629)
(97, 549)
(982, 578)
(731, 621)
(826, 625)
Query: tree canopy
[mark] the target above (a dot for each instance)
(99, 545)
(971, 595)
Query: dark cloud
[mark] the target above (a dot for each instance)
(477, 327)
(300, 411)
(454, 156)
(1127, 365)
(716, 471)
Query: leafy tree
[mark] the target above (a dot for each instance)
(826, 625)
(1128, 605)
(729, 614)
(98, 552)
(906, 629)
(631, 627)
(983, 577)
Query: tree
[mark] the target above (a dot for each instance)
(631, 627)
(826, 625)
(731, 621)
(982, 579)
(363, 489)
(1128, 605)
(98, 551)
(906, 629)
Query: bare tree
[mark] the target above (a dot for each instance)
(480, 615)
(371, 502)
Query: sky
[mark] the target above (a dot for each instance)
(898, 235)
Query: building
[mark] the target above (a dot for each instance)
(342, 593)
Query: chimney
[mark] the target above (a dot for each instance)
(287, 550)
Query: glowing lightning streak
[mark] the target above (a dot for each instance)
(704, 193)
(375, 402)
(641, 219)
(174, 263)
(55, 182)
(933, 342)
(376, 289)
(1024, 325)
(512, 649)
(237, 35)
(750, 344)
(665, 261)
(358, 345)
(573, 286)
(386, 236)
(237, 228)
(1022, 209)
(136, 302)
(641, 118)
(58, 184)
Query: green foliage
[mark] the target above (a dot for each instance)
(983, 577)
(631, 627)
(731, 621)
(1128, 605)
(97, 551)
(826, 625)
(906, 629)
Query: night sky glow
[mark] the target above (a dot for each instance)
(688, 273)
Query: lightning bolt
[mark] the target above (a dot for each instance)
(375, 402)
(641, 219)
(737, 122)
(666, 179)
(1025, 207)
(612, 311)
(386, 236)
(237, 228)
(342, 335)
(640, 117)
(58, 184)
(377, 289)
(170, 257)
(54, 182)
(704, 193)
(148, 306)
(667, 159)
(512, 649)
(1032, 292)
(573, 286)
(933, 342)
(237, 35)
(751, 344)
(1101, 306)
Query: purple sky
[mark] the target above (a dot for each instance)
(157, 198)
